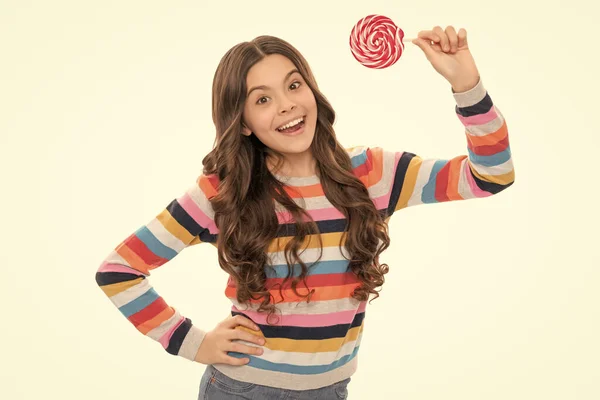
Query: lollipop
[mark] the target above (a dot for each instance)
(376, 42)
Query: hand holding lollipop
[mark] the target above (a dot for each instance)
(376, 42)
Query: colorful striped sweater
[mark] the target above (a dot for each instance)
(312, 344)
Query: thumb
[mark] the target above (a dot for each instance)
(425, 46)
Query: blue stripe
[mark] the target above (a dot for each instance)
(295, 369)
(322, 267)
(155, 245)
(140, 303)
(359, 159)
(428, 195)
(490, 161)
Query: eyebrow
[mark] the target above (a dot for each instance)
(266, 87)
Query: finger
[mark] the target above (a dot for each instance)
(245, 349)
(241, 320)
(427, 48)
(248, 337)
(444, 38)
(234, 360)
(452, 38)
(241, 328)
(428, 41)
(462, 38)
(429, 35)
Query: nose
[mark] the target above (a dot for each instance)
(287, 105)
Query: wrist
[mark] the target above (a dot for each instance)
(465, 85)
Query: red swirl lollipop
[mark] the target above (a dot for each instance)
(376, 42)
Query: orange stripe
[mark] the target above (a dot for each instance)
(374, 176)
(296, 192)
(453, 178)
(489, 139)
(321, 293)
(156, 321)
(133, 259)
(206, 186)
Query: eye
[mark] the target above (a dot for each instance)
(293, 86)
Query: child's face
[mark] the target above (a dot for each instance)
(283, 98)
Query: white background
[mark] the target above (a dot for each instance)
(105, 117)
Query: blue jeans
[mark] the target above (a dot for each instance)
(215, 385)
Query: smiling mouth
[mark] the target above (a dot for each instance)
(294, 127)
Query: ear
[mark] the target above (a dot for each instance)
(245, 130)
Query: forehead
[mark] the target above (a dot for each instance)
(269, 70)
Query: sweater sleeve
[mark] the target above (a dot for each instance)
(400, 179)
(123, 274)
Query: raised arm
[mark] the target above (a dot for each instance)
(399, 179)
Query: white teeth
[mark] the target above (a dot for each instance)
(290, 124)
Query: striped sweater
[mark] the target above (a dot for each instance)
(308, 345)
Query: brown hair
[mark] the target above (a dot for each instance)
(244, 207)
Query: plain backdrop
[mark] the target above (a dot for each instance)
(105, 117)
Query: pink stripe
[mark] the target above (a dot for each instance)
(190, 206)
(108, 267)
(164, 340)
(479, 119)
(304, 320)
(475, 190)
(382, 201)
(321, 214)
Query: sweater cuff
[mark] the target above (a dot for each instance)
(191, 343)
(471, 96)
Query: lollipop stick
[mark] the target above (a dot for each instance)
(408, 39)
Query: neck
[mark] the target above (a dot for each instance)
(295, 165)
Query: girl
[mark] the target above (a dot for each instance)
(298, 220)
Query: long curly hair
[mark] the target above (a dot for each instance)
(244, 206)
